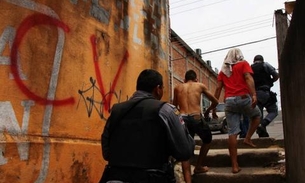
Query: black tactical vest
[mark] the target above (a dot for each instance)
(261, 77)
(139, 139)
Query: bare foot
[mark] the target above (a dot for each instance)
(203, 169)
(236, 170)
(249, 143)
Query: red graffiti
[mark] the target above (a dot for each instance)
(99, 76)
(26, 25)
(97, 69)
(117, 76)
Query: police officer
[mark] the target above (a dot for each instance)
(264, 77)
(142, 134)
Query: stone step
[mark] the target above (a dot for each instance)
(259, 142)
(274, 173)
(263, 164)
(247, 174)
(255, 157)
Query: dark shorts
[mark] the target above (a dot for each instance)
(196, 125)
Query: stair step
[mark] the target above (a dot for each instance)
(263, 164)
(259, 142)
(247, 174)
(256, 157)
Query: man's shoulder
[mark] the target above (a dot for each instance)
(244, 62)
(136, 101)
(169, 108)
(195, 84)
(266, 64)
(180, 86)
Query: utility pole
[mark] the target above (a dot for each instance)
(292, 83)
(281, 30)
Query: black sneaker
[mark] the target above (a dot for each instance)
(242, 136)
(261, 131)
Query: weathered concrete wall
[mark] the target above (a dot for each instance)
(63, 64)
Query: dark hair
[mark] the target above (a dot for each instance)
(258, 57)
(148, 80)
(190, 75)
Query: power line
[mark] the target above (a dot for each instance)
(252, 42)
(230, 31)
(247, 27)
(187, 4)
(199, 7)
(177, 2)
(232, 25)
(223, 35)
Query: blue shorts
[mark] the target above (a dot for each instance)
(237, 106)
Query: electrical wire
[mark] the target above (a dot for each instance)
(187, 4)
(176, 2)
(225, 32)
(228, 29)
(208, 38)
(223, 35)
(246, 27)
(231, 24)
(199, 7)
(243, 44)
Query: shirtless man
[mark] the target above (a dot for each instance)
(187, 98)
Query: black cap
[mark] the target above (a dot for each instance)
(258, 57)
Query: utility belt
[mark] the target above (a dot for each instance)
(263, 88)
(139, 175)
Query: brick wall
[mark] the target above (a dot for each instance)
(183, 58)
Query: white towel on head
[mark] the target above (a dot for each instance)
(233, 56)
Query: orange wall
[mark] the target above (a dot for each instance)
(63, 64)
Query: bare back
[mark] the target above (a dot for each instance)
(187, 97)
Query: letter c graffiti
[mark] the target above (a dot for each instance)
(25, 26)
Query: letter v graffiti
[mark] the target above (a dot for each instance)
(107, 100)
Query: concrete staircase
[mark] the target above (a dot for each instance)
(263, 164)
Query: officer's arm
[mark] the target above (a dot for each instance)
(105, 137)
(272, 71)
(181, 144)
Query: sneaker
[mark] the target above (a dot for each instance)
(242, 135)
(262, 131)
(264, 134)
